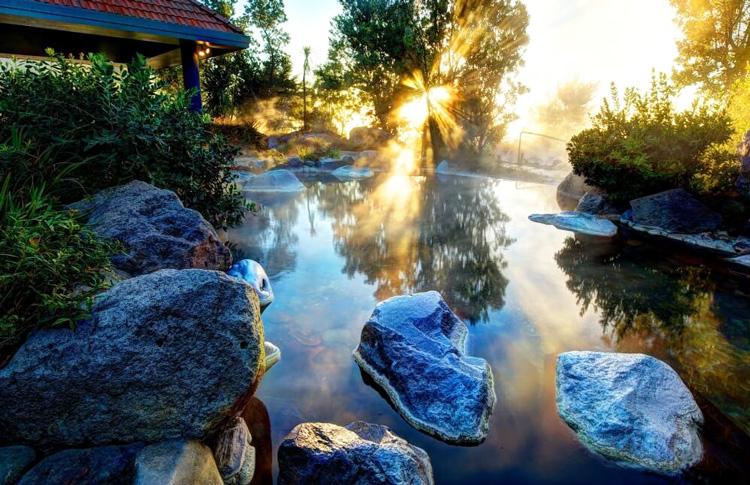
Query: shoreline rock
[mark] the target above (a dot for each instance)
(631, 408)
(571, 190)
(322, 453)
(578, 222)
(176, 462)
(106, 464)
(165, 355)
(674, 211)
(414, 348)
(281, 180)
(348, 172)
(157, 231)
(14, 461)
(252, 273)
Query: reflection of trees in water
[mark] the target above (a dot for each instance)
(650, 304)
(268, 237)
(417, 234)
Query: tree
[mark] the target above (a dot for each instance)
(267, 16)
(469, 47)
(305, 70)
(715, 51)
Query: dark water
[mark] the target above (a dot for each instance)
(527, 293)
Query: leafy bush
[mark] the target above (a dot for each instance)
(50, 265)
(643, 145)
(106, 126)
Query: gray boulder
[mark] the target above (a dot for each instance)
(352, 173)
(414, 347)
(234, 454)
(570, 191)
(631, 408)
(14, 461)
(578, 222)
(367, 138)
(674, 211)
(321, 453)
(275, 181)
(176, 462)
(252, 273)
(595, 202)
(164, 355)
(91, 466)
(157, 231)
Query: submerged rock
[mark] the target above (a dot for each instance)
(234, 454)
(631, 408)
(274, 181)
(349, 172)
(321, 453)
(164, 355)
(675, 211)
(570, 191)
(578, 222)
(176, 462)
(741, 260)
(14, 461)
(157, 231)
(414, 347)
(253, 273)
(90, 466)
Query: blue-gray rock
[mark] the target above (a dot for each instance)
(596, 203)
(363, 453)
(234, 453)
(273, 354)
(14, 460)
(274, 181)
(176, 462)
(157, 231)
(674, 211)
(351, 173)
(295, 162)
(631, 408)
(164, 355)
(414, 347)
(578, 222)
(91, 466)
(252, 273)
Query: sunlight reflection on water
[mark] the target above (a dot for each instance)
(528, 293)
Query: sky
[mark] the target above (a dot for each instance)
(589, 40)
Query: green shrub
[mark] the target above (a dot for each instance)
(50, 265)
(642, 145)
(105, 126)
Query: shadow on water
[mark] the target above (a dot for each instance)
(691, 315)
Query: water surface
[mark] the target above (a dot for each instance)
(526, 291)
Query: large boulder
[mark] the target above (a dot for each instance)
(157, 231)
(14, 461)
(90, 466)
(570, 191)
(631, 408)
(176, 462)
(674, 211)
(743, 181)
(321, 453)
(367, 138)
(274, 181)
(578, 222)
(414, 347)
(164, 355)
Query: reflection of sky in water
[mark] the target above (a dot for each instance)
(531, 292)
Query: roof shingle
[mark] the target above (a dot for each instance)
(181, 12)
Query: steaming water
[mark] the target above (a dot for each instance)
(527, 293)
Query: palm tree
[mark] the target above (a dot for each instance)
(305, 70)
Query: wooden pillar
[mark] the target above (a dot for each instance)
(191, 73)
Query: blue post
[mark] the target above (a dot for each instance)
(191, 73)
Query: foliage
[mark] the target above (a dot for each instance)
(105, 126)
(566, 112)
(472, 46)
(232, 81)
(241, 134)
(715, 50)
(641, 145)
(50, 265)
